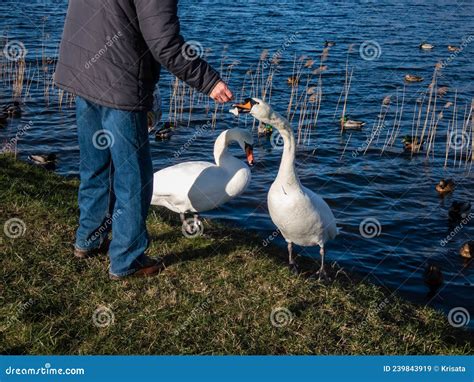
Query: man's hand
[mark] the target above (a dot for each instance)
(221, 93)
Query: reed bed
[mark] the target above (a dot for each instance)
(441, 120)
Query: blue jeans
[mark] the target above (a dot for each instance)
(116, 183)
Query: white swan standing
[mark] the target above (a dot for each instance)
(301, 215)
(199, 186)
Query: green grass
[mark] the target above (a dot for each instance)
(215, 296)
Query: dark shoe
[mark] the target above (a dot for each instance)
(145, 268)
(87, 253)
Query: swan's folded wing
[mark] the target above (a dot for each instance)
(171, 185)
(196, 186)
(326, 218)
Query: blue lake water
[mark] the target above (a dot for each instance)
(395, 189)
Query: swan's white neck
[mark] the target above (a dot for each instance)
(222, 156)
(286, 172)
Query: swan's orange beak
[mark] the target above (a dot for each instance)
(249, 153)
(244, 107)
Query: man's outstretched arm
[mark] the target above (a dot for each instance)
(159, 25)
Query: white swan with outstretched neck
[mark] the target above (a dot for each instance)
(199, 186)
(301, 215)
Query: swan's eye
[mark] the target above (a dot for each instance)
(251, 101)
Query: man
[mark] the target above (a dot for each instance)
(110, 58)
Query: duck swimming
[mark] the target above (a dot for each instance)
(347, 123)
(199, 186)
(264, 130)
(165, 132)
(445, 186)
(453, 48)
(426, 46)
(43, 159)
(47, 161)
(12, 110)
(413, 78)
(328, 44)
(412, 144)
(467, 250)
(301, 215)
(459, 210)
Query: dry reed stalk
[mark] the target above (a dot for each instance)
(414, 134)
(468, 149)
(290, 103)
(60, 98)
(447, 145)
(29, 83)
(299, 99)
(428, 108)
(371, 139)
(347, 86)
(399, 123)
(191, 103)
(390, 132)
(464, 133)
(345, 146)
(454, 126)
(378, 125)
(19, 79)
(432, 128)
(344, 87)
(302, 116)
(472, 135)
(181, 99)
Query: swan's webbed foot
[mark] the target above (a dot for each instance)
(322, 275)
(294, 269)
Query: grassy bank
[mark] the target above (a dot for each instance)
(216, 295)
